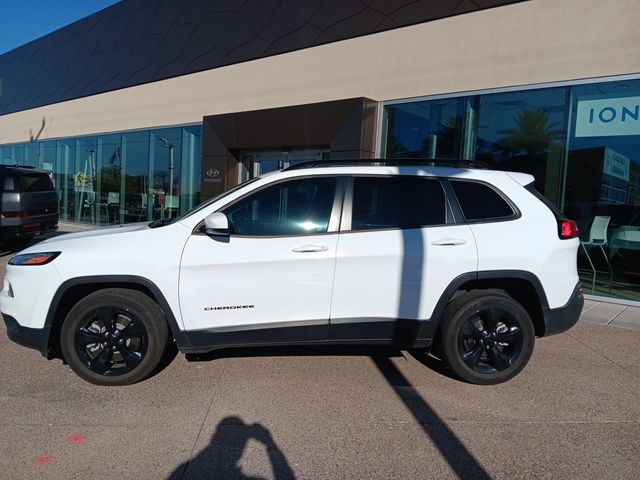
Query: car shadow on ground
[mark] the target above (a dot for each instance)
(222, 457)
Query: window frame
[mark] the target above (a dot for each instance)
(334, 217)
(347, 212)
(516, 214)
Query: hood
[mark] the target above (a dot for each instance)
(60, 240)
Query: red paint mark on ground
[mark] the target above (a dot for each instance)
(44, 460)
(77, 438)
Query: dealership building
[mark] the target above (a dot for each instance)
(146, 108)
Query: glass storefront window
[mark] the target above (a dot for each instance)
(119, 178)
(431, 129)
(581, 143)
(166, 173)
(524, 131)
(109, 179)
(65, 159)
(603, 185)
(16, 155)
(32, 154)
(135, 187)
(191, 167)
(85, 181)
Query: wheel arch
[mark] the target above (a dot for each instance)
(524, 287)
(72, 290)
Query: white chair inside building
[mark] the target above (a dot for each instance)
(597, 238)
(113, 206)
(89, 203)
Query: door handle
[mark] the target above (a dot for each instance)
(310, 248)
(449, 242)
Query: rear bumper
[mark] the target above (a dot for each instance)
(36, 338)
(558, 320)
(27, 228)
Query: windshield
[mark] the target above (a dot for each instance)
(200, 206)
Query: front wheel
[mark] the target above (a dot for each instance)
(114, 336)
(486, 337)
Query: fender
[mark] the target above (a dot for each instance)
(180, 336)
(430, 326)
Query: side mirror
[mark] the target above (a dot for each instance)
(216, 224)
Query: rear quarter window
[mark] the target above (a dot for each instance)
(481, 202)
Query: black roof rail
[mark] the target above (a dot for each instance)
(392, 162)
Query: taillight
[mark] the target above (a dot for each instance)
(567, 229)
(27, 213)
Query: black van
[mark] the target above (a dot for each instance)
(29, 204)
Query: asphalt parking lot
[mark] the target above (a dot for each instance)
(329, 413)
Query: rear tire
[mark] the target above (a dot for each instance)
(114, 336)
(486, 337)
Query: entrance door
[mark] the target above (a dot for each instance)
(254, 164)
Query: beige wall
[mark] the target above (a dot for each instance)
(532, 42)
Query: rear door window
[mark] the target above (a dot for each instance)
(397, 202)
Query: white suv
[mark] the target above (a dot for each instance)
(468, 261)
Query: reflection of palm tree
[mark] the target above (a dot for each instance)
(396, 149)
(446, 139)
(532, 133)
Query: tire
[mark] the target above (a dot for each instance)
(114, 336)
(486, 337)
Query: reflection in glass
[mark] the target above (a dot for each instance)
(85, 180)
(581, 143)
(603, 185)
(524, 131)
(110, 178)
(166, 173)
(119, 178)
(431, 129)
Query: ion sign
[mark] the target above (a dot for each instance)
(608, 117)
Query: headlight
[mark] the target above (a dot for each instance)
(33, 258)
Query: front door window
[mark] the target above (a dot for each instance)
(297, 207)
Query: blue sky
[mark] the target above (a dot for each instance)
(22, 21)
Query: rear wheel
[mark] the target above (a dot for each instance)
(486, 337)
(114, 336)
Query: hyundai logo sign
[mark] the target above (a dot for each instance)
(608, 117)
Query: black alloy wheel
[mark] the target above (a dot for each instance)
(111, 341)
(490, 341)
(114, 336)
(486, 337)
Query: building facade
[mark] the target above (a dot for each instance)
(144, 109)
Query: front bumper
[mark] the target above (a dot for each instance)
(36, 338)
(558, 320)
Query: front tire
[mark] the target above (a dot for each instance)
(486, 337)
(114, 336)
